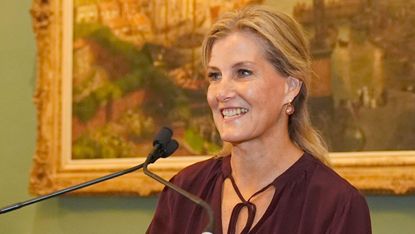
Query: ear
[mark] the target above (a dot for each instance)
(292, 88)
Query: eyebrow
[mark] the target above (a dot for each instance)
(238, 64)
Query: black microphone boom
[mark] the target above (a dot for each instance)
(69, 189)
(170, 147)
(161, 149)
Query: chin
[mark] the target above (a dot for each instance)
(232, 137)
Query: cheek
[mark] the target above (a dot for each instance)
(256, 93)
(267, 95)
(211, 98)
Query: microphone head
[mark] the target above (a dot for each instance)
(163, 152)
(163, 137)
(170, 148)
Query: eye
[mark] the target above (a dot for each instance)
(213, 76)
(244, 73)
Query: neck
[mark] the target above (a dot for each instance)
(256, 163)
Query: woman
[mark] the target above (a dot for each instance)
(274, 179)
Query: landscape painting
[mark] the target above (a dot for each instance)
(111, 73)
(136, 67)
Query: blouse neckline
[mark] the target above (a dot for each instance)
(289, 175)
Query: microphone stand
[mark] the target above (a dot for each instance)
(209, 227)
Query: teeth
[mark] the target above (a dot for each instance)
(233, 111)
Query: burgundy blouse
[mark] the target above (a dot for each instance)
(310, 198)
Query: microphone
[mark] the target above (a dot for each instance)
(162, 145)
(170, 146)
(161, 148)
(163, 136)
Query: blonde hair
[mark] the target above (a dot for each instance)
(286, 48)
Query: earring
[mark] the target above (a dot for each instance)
(290, 108)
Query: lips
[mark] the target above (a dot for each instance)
(233, 112)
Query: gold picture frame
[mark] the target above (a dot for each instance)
(374, 172)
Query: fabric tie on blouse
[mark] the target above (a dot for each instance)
(245, 203)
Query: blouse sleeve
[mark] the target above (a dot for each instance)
(352, 216)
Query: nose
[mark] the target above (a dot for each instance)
(225, 90)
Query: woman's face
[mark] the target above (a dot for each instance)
(246, 94)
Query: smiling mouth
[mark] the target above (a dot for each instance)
(233, 112)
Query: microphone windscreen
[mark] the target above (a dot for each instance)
(170, 148)
(163, 136)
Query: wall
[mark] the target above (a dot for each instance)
(87, 215)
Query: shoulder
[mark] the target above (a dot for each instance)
(325, 180)
(195, 179)
(331, 197)
(340, 201)
(199, 173)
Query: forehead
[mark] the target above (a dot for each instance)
(236, 47)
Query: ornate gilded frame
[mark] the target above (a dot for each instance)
(379, 172)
